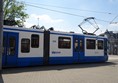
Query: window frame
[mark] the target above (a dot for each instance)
(101, 45)
(91, 47)
(23, 45)
(60, 42)
(35, 45)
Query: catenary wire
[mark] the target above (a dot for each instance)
(63, 12)
(74, 8)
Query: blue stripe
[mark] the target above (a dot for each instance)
(83, 59)
(61, 60)
(23, 30)
(30, 61)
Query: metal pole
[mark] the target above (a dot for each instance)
(38, 23)
(1, 32)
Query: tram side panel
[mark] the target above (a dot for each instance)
(31, 48)
(61, 48)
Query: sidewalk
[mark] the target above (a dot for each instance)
(113, 57)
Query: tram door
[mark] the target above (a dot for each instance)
(78, 47)
(10, 49)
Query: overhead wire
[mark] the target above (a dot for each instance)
(55, 10)
(62, 12)
(70, 8)
(113, 19)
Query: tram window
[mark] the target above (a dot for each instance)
(100, 44)
(76, 44)
(90, 44)
(25, 45)
(34, 41)
(64, 42)
(12, 44)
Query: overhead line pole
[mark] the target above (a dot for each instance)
(1, 32)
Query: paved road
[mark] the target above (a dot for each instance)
(77, 73)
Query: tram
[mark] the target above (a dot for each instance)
(32, 47)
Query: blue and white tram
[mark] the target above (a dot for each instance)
(30, 47)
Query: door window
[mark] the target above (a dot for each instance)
(12, 44)
(76, 44)
(81, 44)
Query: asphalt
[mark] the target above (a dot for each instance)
(75, 73)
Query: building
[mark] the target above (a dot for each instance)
(112, 41)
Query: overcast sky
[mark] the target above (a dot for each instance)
(105, 10)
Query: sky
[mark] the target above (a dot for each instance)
(104, 12)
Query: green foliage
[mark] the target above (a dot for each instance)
(14, 10)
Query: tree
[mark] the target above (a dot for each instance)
(14, 10)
